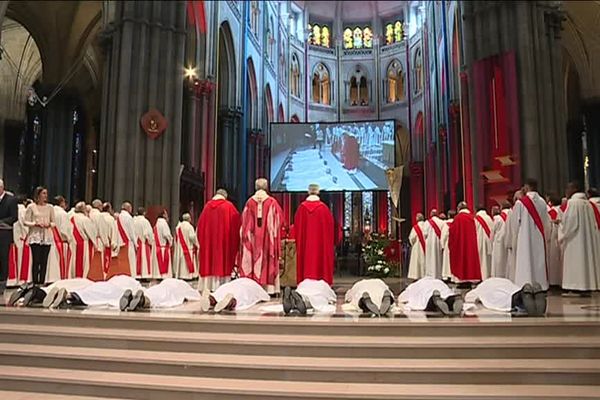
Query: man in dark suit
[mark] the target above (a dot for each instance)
(8, 216)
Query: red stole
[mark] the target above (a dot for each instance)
(436, 228)
(79, 248)
(537, 220)
(62, 259)
(106, 257)
(504, 215)
(163, 254)
(420, 235)
(186, 251)
(143, 248)
(484, 225)
(122, 233)
(553, 214)
(24, 275)
(12, 262)
(596, 214)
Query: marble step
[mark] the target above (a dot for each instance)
(19, 395)
(273, 344)
(142, 386)
(309, 369)
(350, 326)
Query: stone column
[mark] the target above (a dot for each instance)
(145, 53)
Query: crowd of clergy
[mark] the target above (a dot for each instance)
(547, 241)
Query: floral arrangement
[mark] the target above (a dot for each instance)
(375, 253)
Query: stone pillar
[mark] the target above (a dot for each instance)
(145, 53)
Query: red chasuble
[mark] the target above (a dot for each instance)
(261, 239)
(218, 235)
(313, 226)
(462, 243)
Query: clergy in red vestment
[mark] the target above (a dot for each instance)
(350, 152)
(313, 225)
(218, 232)
(261, 238)
(462, 245)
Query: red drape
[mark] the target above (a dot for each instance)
(382, 212)
(466, 140)
(196, 16)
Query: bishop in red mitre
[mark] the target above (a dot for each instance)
(218, 234)
(261, 238)
(462, 244)
(313, 226)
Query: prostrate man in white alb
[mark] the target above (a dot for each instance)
(484, 225)
(433, 245)
(578, 236)
(185, 255)
(416, 266)
(430, 294)
(310, 294)
(529, 231)
(371, 296)
(237, 295)
(168, 293)
(500, 294)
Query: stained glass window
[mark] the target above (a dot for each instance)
(358, 38)
(394, 32)
(348, 42)
(367, 203)
(368, 37)
(319, 35)
(347, 210)
(316, 36)
(325, 36)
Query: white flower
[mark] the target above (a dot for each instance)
(370, 268)
(386, 270)
(380, 252)
(378, 267)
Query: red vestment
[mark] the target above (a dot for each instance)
(462, 243)
(350, 153)
(261, 239)
(313, 225)
(218, 235)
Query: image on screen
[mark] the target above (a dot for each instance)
(345, 156)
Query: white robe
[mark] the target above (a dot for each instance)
(376, 288)
(499, 247)
(111, 223)
(71, 285)
(484, 243)
(416, 266)
(108, 293)
(180, 265)
(494, 294)
(126, 221)
(171, 293)
(246, 292)
(65, 230)
(555, 253)
(446, 271)
(528, 244)
(20, 231)
(86, 230)
(143, 245)
(578, 235)
(318, 294)
(164, 246)
(417, 294)
(433, 248)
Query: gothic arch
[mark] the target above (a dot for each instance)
(321, 84)
(280, 113)
(252, 117)
(269, 112)
(226, 67)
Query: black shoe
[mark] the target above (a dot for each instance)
(458, 305)
(540, 299)
(529, 300)
(75, 300)
(125, 300)
(137, 301)
(17, 295)
(386, 303)
(60, 300)
(298, 302)
(33, 296)
(366, 304)
(440, 303)
(287, 300)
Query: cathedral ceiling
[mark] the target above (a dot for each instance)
(352, 11)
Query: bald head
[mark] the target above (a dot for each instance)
(186, 217)
(462, 206)
(420, 217)
(126, 206)
(80, 207)
(222, 192)
(97, 204)
(433, 213)
(261, 184)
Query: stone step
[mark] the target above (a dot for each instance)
(18, 395)
(273, 344)
(309, 369)
(142, 386)
(346, 326)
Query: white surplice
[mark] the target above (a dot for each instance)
(143, 245)
(318, 294)
(63, 246)
(578, 236)
(416, 266)
(484, 242)
(20, 231)
(245, 291)
(499, 246)
(180, 260)
(127, 238)
(87, 231)
(494, 294)
(446, 271)
(376, 288)
(108, 293)
(416, 295)
(171, 292)
(528, 243)
(163, 244)
(433, 248)
(555, 253)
